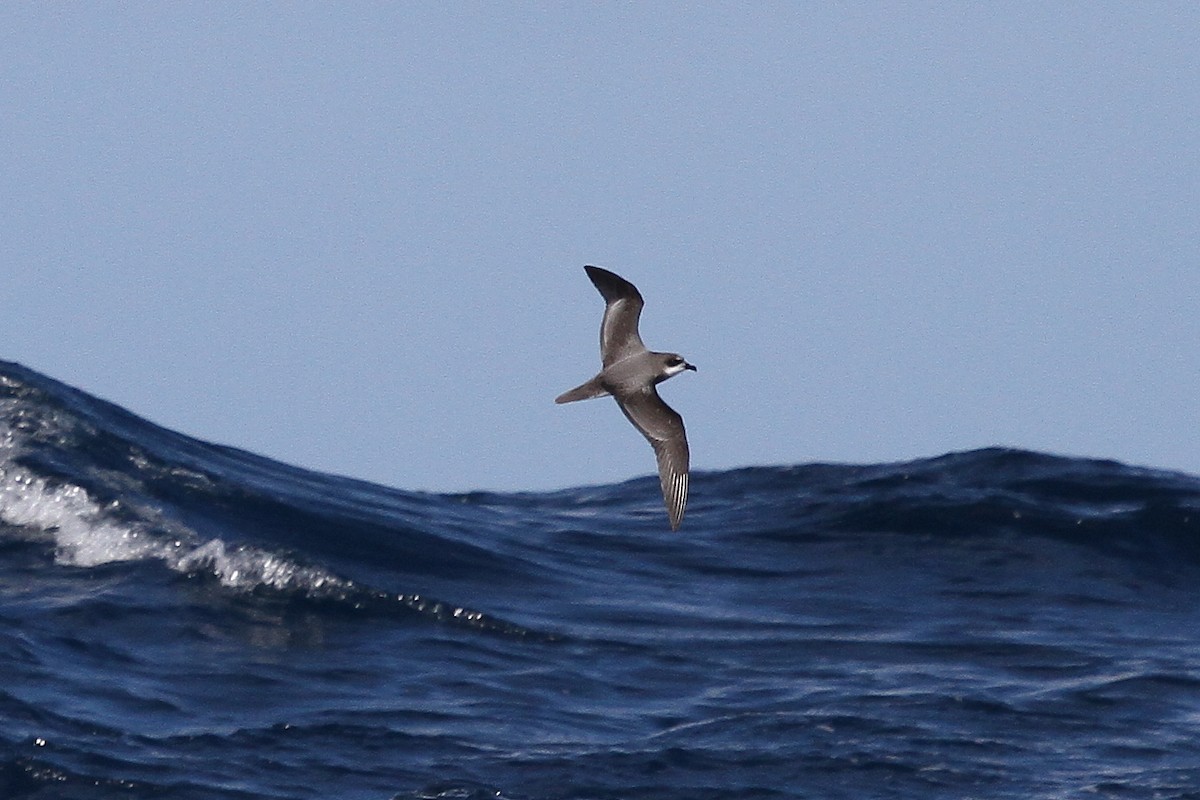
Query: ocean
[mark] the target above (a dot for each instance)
(185, 620)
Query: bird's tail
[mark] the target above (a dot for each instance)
(584, 391)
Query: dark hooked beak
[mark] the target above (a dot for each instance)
(692, 367)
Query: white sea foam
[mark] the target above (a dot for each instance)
(249, 567)
(88, 533)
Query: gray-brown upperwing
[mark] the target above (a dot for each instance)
(619, 336)
(663, 428)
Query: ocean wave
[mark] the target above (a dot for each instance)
(87, 531)
(189, 620)
(109, 486)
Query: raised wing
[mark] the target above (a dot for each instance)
(619, 337)
(663, 428)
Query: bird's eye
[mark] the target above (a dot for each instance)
(674, 362)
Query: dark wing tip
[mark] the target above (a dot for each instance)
(611, 285)
(598, 274)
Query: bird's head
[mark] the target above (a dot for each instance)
(672, 364)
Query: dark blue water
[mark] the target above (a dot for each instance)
(181, 620)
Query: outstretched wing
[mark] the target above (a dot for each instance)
(663, 428)
(623, 306)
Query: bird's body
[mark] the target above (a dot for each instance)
(630, 373)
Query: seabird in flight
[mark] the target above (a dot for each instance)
(629, 373)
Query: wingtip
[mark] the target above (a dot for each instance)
(595, 273)
(675, 499)
(675, 517)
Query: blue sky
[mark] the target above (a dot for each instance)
(351, 236)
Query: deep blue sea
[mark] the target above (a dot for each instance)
(184, 620)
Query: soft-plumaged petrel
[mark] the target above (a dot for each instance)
(629, 373)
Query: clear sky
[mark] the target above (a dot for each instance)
(351, 236)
